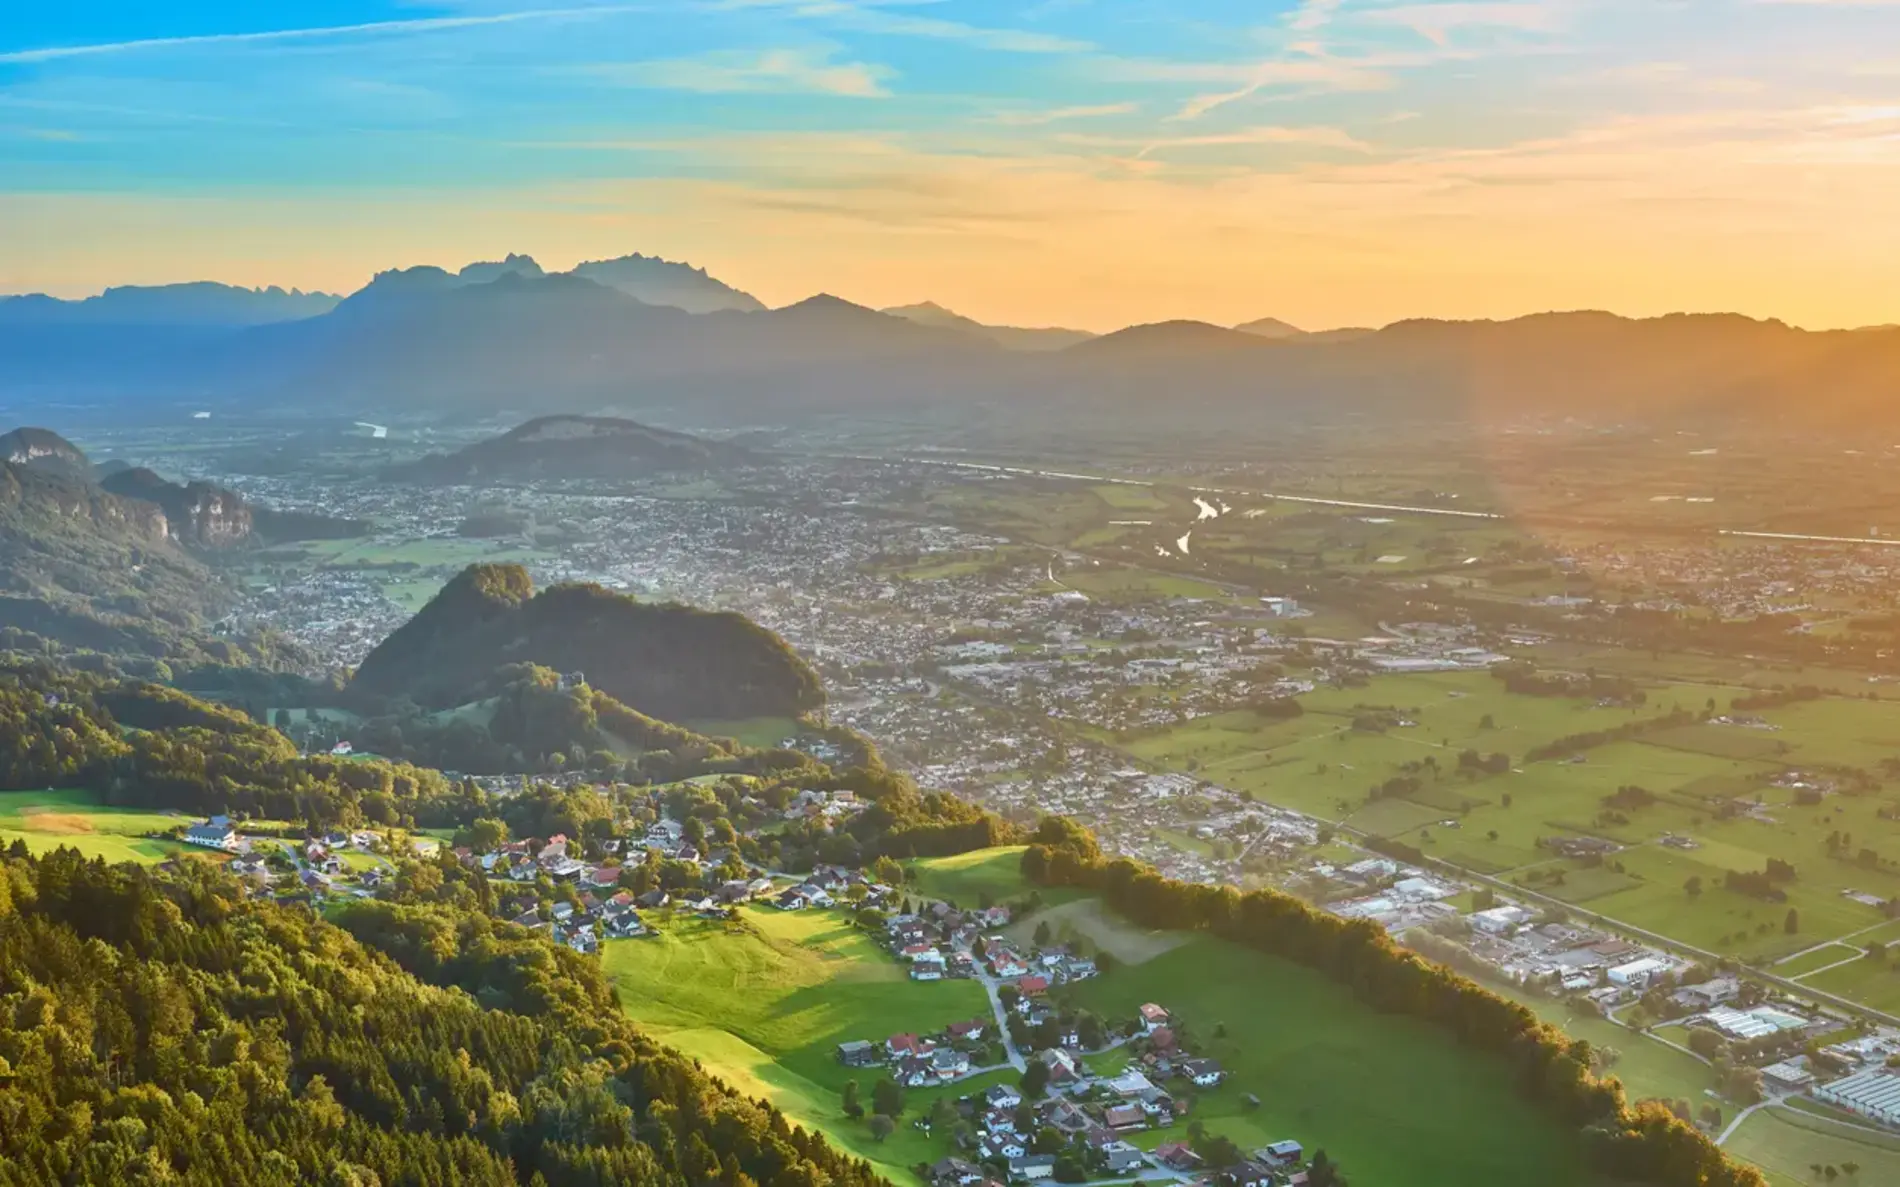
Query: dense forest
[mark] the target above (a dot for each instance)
(1642, 1143)
(155, 1027)
(139, 744)
(666, 661)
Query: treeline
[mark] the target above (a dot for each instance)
(156, 1027)
(1644, 1143)
(1589, 740)
(1776, 698)
(1528, 681)
(143, 745)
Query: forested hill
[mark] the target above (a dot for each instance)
(667, 661)
(160, 1028)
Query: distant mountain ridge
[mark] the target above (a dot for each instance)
(575, 447)
(507, 336)
(197, 303)
(929, 313)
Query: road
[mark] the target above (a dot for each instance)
(1350, 504)
(993, 987)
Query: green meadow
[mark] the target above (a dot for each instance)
(764, 1003)
(46, 820)
(1391, 1099)
(1321, 764)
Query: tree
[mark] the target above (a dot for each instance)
(853, 1108)
(1850, 1169)
(1693, 887)
(1793, 922)
(882, 1127)
(943, 1114)
(1042, 934)
(887, 1098)
(1323, 1173)
(1035, 1079)
(980, 949)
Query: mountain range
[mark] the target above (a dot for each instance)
(507, 335)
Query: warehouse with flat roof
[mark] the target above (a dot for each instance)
(1874, 1093)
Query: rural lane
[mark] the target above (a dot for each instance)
(991, 986)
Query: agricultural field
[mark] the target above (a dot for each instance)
(46, 820)
(1788, 1142)
(764, 1003)
(1325, 763)
(1333, 1075)
(968, 878)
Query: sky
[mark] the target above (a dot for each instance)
(1091, 163)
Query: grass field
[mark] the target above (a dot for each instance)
(1786, 1142)
(967, 878)
(1390, 1099)
(45, 820)
(763, 1006)
(1320, 764)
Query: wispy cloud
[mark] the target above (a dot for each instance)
(1312, 73)
(1312, 14)
(778, 71)
(1025, 119)
(1438, 22)
(1270, 134)
(866, 19)
(372, 28)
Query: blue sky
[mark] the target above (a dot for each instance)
(1083, 161)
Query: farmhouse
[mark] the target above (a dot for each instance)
(1033, 1167)
(1281, 1153)
(955, 1172)
(1152, 1016)
(1205, 1073)
(215, 833)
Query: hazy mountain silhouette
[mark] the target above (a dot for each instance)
(575, 447)
(1271, 327)
(201, 303)
(929, 313)
(663, 282)
(428, 338)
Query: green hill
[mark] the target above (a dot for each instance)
(667, 661)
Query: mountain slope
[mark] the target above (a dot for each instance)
(669, 662)
(421, 1043)
(46, 451)
(575, 447)
(205, 515)
(87, 569)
